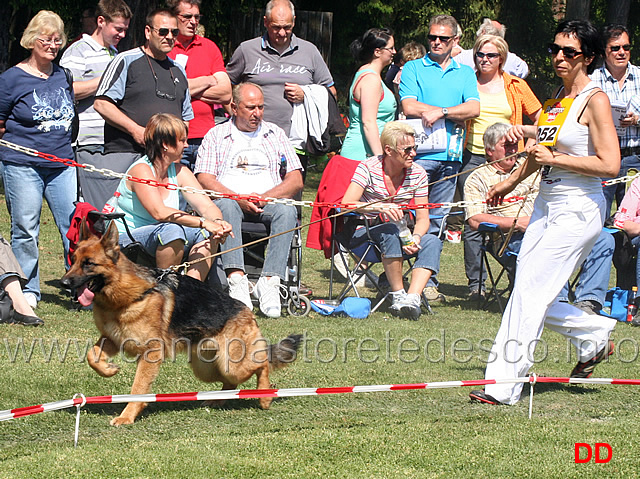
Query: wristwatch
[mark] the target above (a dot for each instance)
(445, 112)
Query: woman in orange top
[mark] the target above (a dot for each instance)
(504, 98)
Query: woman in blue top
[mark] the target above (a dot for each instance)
(153, 213)
(371, 103)
(36, 111)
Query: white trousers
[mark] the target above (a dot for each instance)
(560, 235)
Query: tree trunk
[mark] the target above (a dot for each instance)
(5, 27)
(577, 10)
(618, 11)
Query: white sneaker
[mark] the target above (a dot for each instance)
(239, 289)
(406, 305)
(31, 300)
(267, 291)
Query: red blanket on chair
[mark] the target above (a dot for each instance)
(333, 184)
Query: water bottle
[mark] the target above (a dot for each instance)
(110, 206)
(406, 237)
(456, 143)
(632, 308)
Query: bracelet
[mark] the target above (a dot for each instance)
(419, 236)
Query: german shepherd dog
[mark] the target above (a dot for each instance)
(151, 314)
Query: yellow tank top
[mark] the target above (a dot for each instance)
(494, 108)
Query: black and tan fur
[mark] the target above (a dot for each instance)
(150, 315)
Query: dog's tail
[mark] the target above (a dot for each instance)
(285, 352)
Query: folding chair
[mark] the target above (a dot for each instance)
(364, 252)
(496, 294)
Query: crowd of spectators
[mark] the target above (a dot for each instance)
(154, 112)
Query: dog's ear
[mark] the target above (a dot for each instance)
(110, 242)
(85, 232)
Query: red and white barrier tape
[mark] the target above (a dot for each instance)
(290, 392)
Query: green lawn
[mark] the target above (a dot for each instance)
(432, 433)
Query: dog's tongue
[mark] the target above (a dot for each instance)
(85, 295)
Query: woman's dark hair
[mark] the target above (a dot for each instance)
(163, 130)
(590, 40)
(362, 48)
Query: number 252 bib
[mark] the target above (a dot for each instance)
(554, 113)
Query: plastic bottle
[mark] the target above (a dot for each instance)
(110, 206)
(632, 308)
(405, 233)
(456, 143)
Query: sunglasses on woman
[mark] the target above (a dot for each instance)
(490, 56)
(567, 52)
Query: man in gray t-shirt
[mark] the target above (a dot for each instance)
(279, 62)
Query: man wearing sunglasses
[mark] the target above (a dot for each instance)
(137, 84)
(436, 87)
(209, 83)
(620, 80)
(87, 59)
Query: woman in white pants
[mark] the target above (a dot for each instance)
(567, 218)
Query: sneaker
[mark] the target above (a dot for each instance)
(365, 282)
(239, 289)
(589, 306)
(406, 305)
(585, 370)
(482, 397)
(267, 291)
(32, 300)
(433, 295)
(454, 236)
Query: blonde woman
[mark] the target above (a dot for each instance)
(36, 111)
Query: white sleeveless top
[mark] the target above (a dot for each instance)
(573, 140)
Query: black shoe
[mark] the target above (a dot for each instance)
(476, 296)
(480, 396)
(19, 318)
(585, 370)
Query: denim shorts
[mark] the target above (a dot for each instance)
(152, 236)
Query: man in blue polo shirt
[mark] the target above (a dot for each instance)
(433, 88)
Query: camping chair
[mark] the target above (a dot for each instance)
(366, 251)
(489, 247)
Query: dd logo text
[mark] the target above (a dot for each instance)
(599, 458)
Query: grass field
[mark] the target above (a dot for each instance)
(421, 434)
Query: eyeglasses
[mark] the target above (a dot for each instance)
(52, 42)
(567, 52)
(391, 49)
(407, 150)
(615, 48)
(189, 16)
(442, 38)
(163, 32)
(490, 56)
(159, 94)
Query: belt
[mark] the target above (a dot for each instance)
(630, 151)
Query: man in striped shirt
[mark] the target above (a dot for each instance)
(620, 80)
(87, 59)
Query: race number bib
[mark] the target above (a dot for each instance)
(554, 113)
